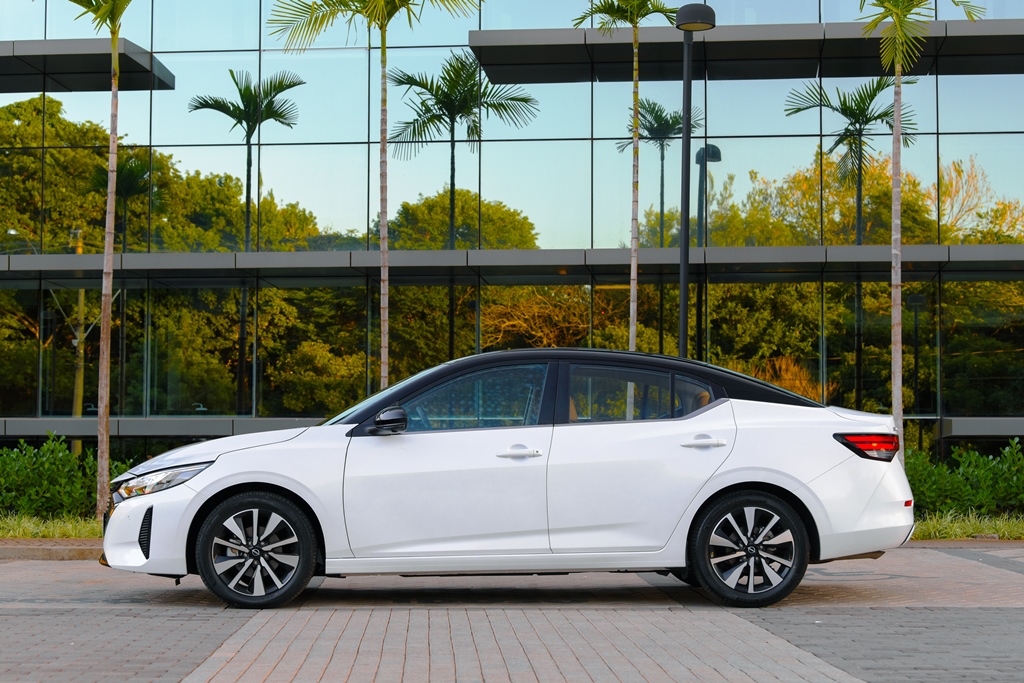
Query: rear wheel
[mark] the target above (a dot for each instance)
(750, 549)
(256, 550)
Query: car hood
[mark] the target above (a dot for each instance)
(860, 416)
(208, 451)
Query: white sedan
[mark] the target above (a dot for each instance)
(528, 461)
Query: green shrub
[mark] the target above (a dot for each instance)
(49, 481)
(984, 484)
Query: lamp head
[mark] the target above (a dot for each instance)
(709, 154)
(695, 17)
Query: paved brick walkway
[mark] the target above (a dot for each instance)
(950, 612)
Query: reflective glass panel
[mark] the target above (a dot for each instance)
(563, 112)
(338, 34)
(62, 21)
(763, 192)
(981, 103)
(771, 331)
(658, 216)
(981, 196)
(74, 200)
(994, 9)
(203, 208)
(548, 183)
(654, 334)
(19, 351)
(506, 14)
(332, 104)
(195, 365)
(756, 108)
(613, 107)
(69, 335)
(202, 25)
(736, 12)
(419, 326)
(22, 20)
(858, 354)
(21, 186)
(982, 359)
(201, 75)
(435, 27)
(312, 350)
(313, 197)
(918, 105)
(527, 316)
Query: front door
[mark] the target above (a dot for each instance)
(468, 476)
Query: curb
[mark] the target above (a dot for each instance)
(51, 549)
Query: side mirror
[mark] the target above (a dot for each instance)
(391, 420)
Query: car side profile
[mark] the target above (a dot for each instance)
(528, 461)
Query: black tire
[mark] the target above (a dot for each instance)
(267, 568)
(749, 549)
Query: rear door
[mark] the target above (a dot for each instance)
(636, 446)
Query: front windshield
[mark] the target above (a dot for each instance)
(379, 396)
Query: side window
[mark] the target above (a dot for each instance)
(691, 395)
(508, 396)
(601, 393)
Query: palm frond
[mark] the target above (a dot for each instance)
(612, 14)
(812, 96)
(301, 21)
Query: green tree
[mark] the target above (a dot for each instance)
(611, 14)
(461, 95)
(301, 21)
(862, 113)
(256, 105)
(106, 14)
(903, 32)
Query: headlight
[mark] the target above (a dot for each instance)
(158, 481)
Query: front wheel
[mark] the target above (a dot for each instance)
(256, 550)
(750, 549)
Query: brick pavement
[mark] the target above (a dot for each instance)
(918, 614)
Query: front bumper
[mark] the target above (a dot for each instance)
(156, 545)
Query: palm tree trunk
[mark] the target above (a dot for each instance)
(383, 206)
(243, 306)
(106, 298)
(858, 303)
(634, 224)
(451, 245)
(661, 201)
(897, 263)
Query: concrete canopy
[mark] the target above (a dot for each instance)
(77, 65)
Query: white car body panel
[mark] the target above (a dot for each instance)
(448, 492)
(623, 486)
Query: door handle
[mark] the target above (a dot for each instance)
(521, 452)
(704, 443)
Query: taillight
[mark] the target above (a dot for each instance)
(871, 446)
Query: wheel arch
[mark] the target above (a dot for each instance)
(222, 495)
(813, 535)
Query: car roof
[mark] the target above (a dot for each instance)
(736, 385)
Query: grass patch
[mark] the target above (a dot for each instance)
(24, 526)
(933, 526)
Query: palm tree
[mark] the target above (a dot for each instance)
(611, 14)
(460, 95)
(659, 127)
(256, 105)
(862, 113)
(106, 14)
(301, 21)
(902, 39)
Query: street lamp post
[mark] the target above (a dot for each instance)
(689, 18)
(705, 155)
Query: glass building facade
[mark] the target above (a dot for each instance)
(203, 329)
